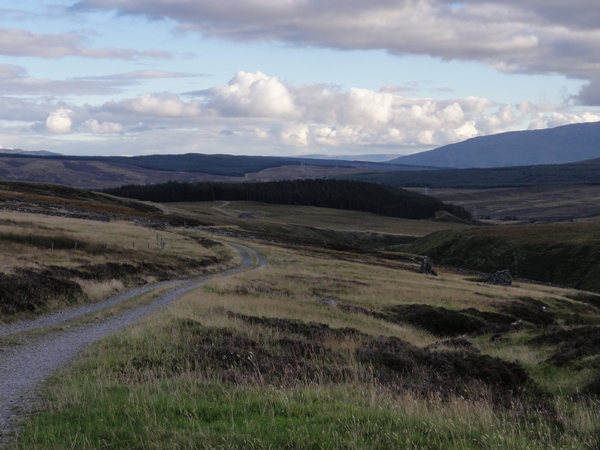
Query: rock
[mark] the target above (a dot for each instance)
(501, 278)
(328, 301)
(427, 266)
(246, 216)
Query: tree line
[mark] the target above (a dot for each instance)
(337, 194)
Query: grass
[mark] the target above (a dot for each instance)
(41, 270)
(538, 203)
(308, 216)
(562, 253)
(256, 361)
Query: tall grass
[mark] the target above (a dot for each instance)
(150, 387)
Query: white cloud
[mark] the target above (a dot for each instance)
(16, 42)
(264, 112)
(252, 95)
(16, 80)
(293, 134)
(59, 121)
(158, 106)
(104, 127)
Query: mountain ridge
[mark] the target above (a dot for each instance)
(560, 145)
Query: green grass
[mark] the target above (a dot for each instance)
(193, 415)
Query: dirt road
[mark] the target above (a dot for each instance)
(23, 367)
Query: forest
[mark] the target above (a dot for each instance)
(338, 194)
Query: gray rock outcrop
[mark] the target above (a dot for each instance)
(501, 278)
(427, 266)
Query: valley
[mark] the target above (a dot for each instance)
(334, 340)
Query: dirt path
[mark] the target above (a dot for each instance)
(24, 367)
(222, 211)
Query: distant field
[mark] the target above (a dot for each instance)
(554, 202)
(90, 174)
(294, 172)
(309, 216)
(104, 172)
(488, 178)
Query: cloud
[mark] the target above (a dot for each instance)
(164, 106)
(589, 94)
(59, 121)
(145, 75)
(267, 113)
(293, 134)
(16, 42)
(15, 80)
(252, 95)
(104, 127)
(526, 36)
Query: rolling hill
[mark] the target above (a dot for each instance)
(98, 172)
(566, 144)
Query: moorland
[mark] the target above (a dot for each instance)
(338, 342)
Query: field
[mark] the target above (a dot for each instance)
(307, 216)
(262, 361)
(49, 260)
(537, 203)
(339, 342)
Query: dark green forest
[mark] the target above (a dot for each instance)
(487, 178)
(338, 194)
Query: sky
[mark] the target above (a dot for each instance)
(290, 77)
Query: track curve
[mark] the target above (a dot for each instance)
(24, 367)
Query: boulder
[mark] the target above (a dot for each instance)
(328, 301)
(501, 278)
(427, 266)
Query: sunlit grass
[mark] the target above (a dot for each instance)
(136, 390)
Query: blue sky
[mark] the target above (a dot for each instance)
(290, 77)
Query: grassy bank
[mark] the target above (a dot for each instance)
(311, 353)
(50, 262)
(566, 254)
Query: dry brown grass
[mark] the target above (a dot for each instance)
(39, 245)
(309, 216)
(152, 378)
(292, 285)
(536, 202)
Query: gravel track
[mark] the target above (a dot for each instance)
(24, 367)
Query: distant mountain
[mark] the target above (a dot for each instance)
(108, 171)
(18, 151)
(566, 144)
(372, 157)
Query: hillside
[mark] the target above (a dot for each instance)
(553, 203)
(55, 198)
(569, 143)
(18, 151)
(566, 254)
(488, 178)
(101, 172)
